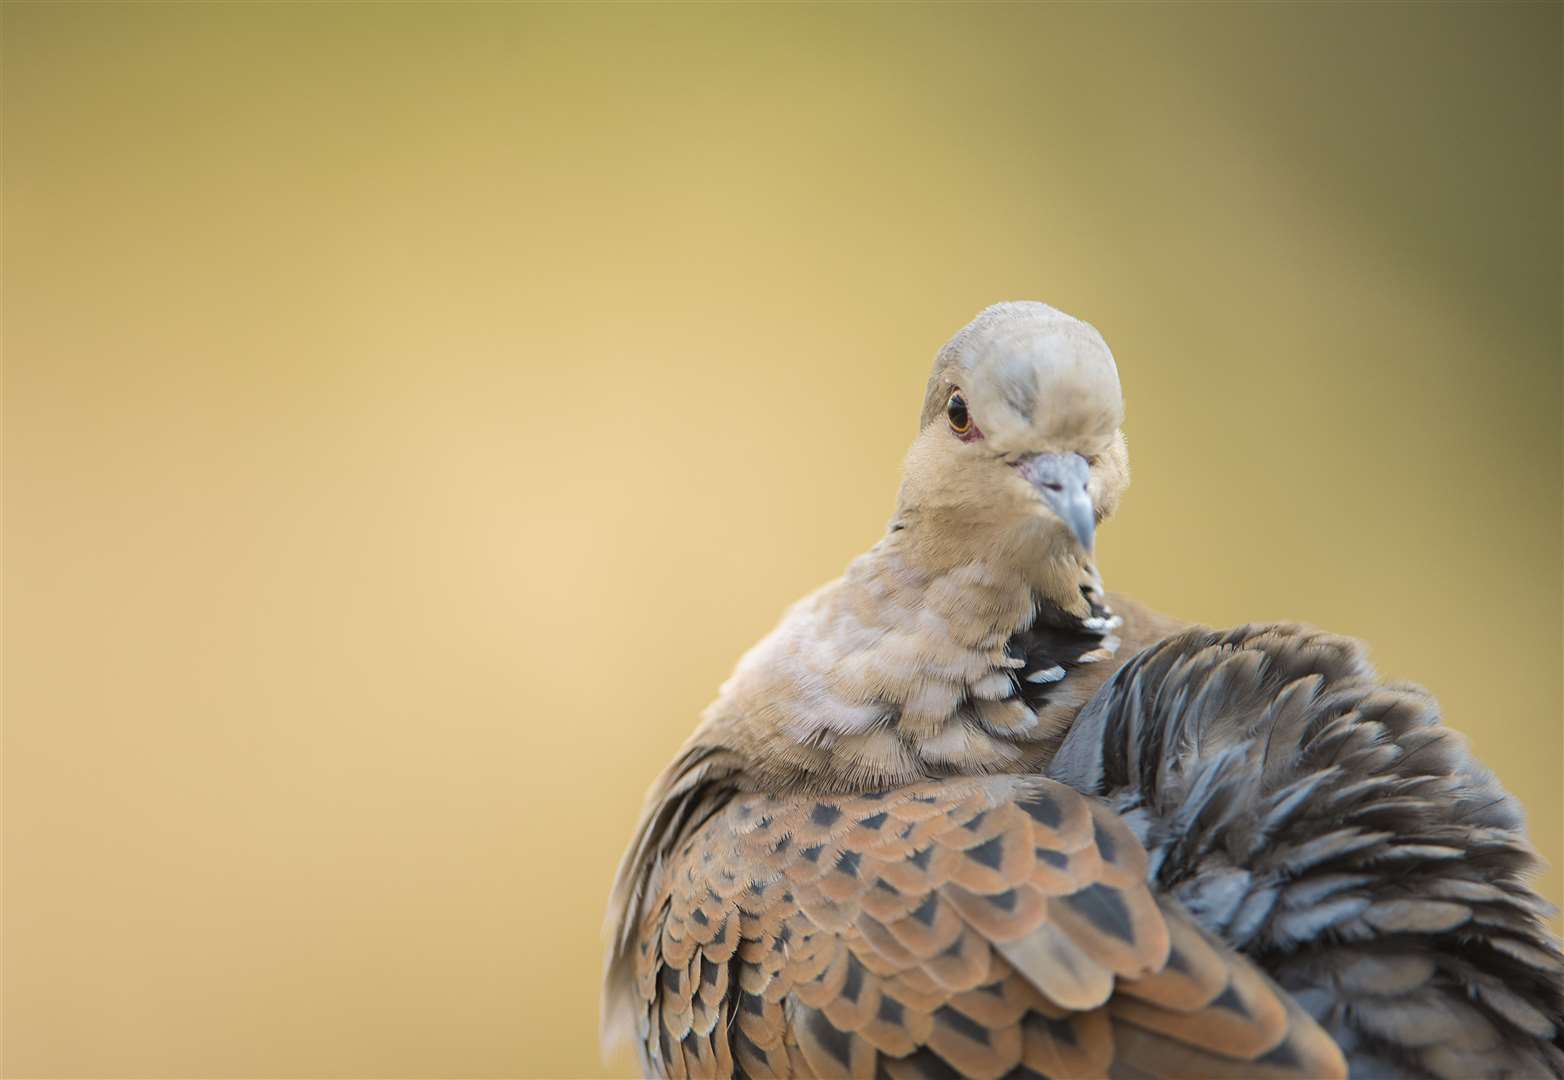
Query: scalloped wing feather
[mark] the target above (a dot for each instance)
(979, 927)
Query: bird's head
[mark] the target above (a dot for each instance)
(1019, 442)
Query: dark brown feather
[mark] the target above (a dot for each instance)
(1329, 825)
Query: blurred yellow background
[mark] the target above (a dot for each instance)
(411, 412)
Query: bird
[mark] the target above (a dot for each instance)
(966, 813)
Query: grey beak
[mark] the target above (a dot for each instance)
(1061, 481)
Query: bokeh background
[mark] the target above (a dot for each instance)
(411, 412)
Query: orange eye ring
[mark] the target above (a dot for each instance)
(956, 412)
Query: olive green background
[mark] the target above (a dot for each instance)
(411, 412)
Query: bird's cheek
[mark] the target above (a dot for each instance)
(1023, 496)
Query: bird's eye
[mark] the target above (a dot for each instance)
(956, 412)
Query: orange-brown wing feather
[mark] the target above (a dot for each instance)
(990, 927)
(1211, 1013)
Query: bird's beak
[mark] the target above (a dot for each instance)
(1060, 479)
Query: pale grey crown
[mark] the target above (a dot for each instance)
(1024, 364)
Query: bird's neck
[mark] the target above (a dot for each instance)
(929, 657)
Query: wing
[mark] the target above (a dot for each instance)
(987, 927)
(1330, 826)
